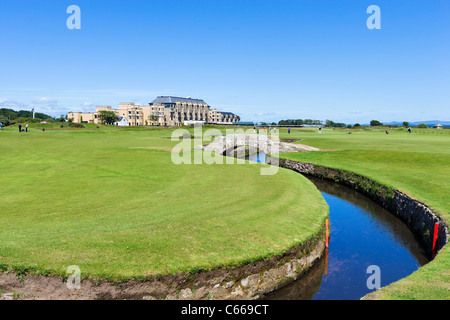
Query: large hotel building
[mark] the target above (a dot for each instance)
(163, 111)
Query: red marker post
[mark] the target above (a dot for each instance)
(327, 232)
(436, 229)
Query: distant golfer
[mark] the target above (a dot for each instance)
(0, 126)
(289, 130)
(409, 130)
(20, 128)
(26, 127)
(320, 130)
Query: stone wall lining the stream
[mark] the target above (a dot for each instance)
(418, 217)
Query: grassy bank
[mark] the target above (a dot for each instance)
(416, 163)
(111, 201)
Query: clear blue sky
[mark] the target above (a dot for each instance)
(264, 60)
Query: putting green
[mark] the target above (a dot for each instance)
(111, 201)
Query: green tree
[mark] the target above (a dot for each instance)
(107, 117)
(375, 123)
(62, 118)
(406, 124)
(4, 120)
(329, 123)
(152, 118)
(8, 113)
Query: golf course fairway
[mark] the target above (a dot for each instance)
(110, 201)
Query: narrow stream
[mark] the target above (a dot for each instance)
(362, 234)
(259, 157)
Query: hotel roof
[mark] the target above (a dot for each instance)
(170, 99)
(226, 113)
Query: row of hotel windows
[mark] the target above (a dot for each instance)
(185, 115)
(138, 117)
(214, 117)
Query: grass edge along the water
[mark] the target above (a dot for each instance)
(416, 164)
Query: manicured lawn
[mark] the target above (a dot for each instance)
(111, 201)
(417, 163)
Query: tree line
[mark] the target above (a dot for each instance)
(311, 122)
(332, 124)
(10, 116)
(299, 122)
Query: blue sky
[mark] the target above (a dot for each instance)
(264, 60)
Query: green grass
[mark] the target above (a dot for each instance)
(416, 163)
(111, 201)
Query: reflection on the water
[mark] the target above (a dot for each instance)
(362, 234)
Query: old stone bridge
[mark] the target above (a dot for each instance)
(268, 144)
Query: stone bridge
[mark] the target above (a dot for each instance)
(268, 144)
